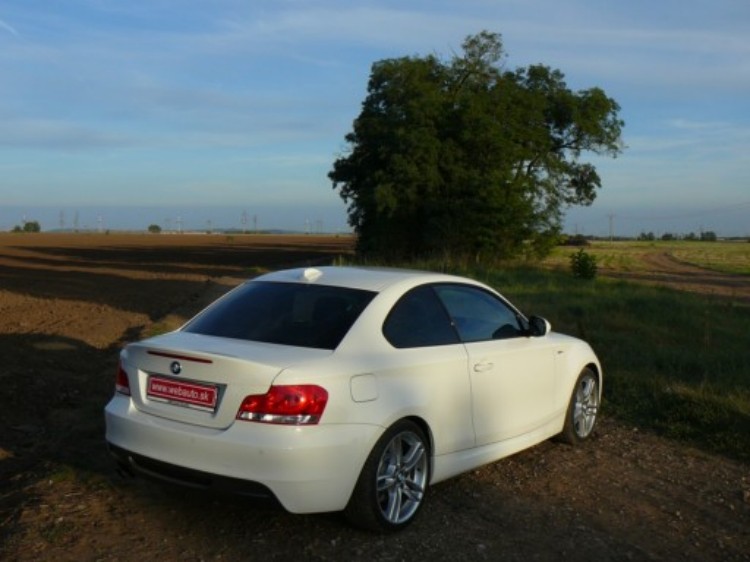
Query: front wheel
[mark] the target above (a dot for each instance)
(393, 482)
(583, 408)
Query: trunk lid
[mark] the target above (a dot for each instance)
(202, 380)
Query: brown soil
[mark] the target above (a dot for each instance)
(68, 303)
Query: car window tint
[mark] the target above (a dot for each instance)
(419, 320)
(284, 313)
(477, 314)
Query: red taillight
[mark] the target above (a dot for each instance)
(122, 384)
(292, 405)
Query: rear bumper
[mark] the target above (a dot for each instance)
(307, 469)
(138, 465)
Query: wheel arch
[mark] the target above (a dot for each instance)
(425, 427)
(598, 372)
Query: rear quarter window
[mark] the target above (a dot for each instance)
(418, 319)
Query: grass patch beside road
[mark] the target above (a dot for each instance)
(673, 362)
(727, 257)
(627, 255)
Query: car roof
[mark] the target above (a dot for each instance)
(375, 279)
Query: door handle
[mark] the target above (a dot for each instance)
(483, 366)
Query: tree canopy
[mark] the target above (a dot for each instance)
(463, 158)
(28, 226)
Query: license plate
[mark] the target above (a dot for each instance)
(182, 392)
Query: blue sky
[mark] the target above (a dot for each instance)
(120, 114)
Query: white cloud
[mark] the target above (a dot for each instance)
(7, 27)
(56, 134)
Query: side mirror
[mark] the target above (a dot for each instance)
(539, 326)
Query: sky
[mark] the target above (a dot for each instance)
(230, 113)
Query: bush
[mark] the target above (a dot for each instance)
(28, 226)
(583, 265)
(576, 240)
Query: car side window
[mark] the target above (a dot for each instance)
(479, 315)
(418, 319)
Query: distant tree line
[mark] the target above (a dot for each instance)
(28, 226)
(704, 236)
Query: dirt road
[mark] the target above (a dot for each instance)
(66, 307)
(661, 268)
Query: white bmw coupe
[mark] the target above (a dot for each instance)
(347, 388)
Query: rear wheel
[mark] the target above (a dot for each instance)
(583, 408)
(393, 482)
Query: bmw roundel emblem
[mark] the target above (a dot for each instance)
(175, 367)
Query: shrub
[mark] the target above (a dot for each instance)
(576, 240)
(583, 265)
(28, 226)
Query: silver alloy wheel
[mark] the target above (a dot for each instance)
(401, 477)
(586, 405)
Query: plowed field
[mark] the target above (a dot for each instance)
(68, 303)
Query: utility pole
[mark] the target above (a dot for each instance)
(611, 227)
(244, 222)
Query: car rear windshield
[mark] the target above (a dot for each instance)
(294, 314)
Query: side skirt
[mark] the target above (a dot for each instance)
(451, 464)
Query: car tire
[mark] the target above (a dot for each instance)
(583, 408)
(392, 486)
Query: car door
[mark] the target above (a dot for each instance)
(430, 368)
(512, 374)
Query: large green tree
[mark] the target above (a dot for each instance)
(463, 158)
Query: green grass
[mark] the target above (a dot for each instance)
(674, 362)
(619, 256)
(627, 255)
(728, 257)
